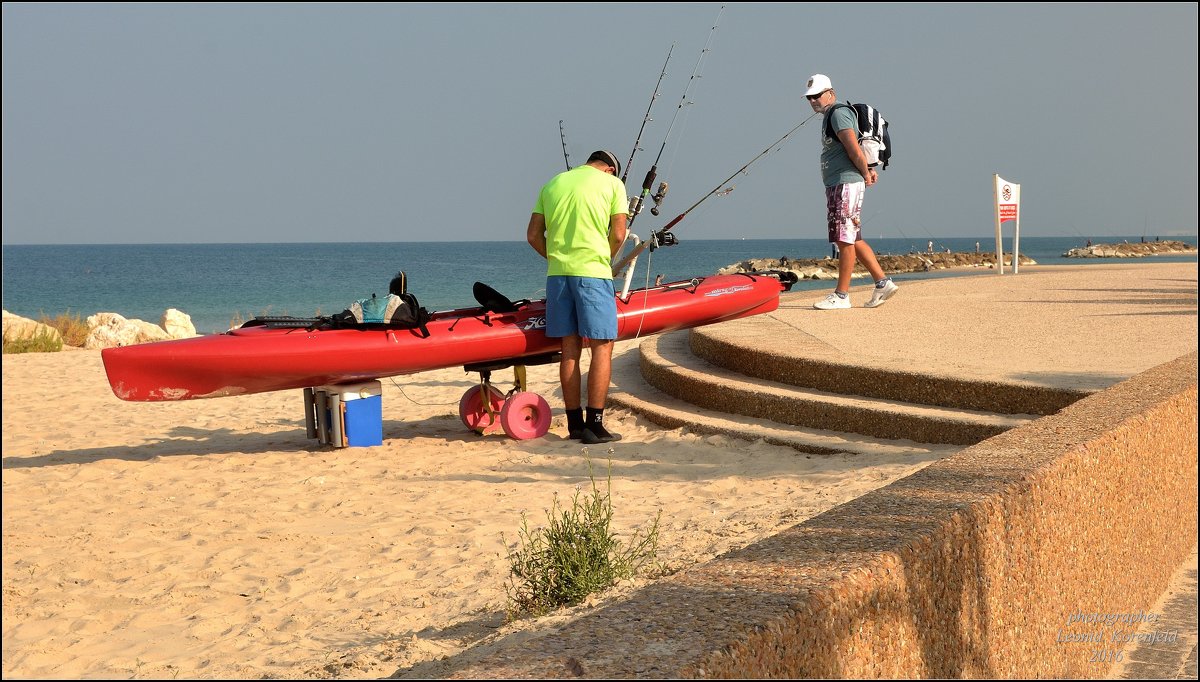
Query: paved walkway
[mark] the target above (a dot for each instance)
(1082, 327)
(1175, 658)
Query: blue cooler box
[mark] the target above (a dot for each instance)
(361, 413)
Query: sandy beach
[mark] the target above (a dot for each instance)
(212, 539)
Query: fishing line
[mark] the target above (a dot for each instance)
(416, 402)
(635, 204)
(663, 237)
(937, 243)
(912, 247)
(675, 152)
(637, 144)
(645, 299)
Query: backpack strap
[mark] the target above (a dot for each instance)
(829, 119)
(420, 314)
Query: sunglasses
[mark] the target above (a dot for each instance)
(819, 95)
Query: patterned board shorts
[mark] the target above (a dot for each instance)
(844, 203)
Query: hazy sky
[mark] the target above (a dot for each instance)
(149, 123)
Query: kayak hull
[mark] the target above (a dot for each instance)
(258, 359)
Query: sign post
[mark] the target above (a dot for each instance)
(1008, 202)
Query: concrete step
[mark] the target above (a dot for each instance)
(668, 365)
(768, 349)
(630, 390)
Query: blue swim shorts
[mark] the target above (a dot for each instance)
(586, 306)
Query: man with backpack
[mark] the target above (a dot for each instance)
(846, 172)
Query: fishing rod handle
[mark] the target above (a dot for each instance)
(635, 207)
(637, 202)
(649, 181)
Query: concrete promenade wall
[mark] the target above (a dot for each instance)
(994, 562)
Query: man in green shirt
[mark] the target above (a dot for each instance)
(578, 224)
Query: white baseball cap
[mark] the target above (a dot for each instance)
(817, 84)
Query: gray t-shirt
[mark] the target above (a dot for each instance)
(836, 168)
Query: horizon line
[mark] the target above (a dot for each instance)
(1140, 238)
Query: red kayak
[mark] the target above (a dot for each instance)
(261, 357)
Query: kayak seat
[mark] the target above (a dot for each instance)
(493, 301)
(399, 284)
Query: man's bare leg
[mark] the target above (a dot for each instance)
(568, 371)
(599, 373)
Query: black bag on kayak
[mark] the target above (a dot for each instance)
(393, 310)
(398, 309)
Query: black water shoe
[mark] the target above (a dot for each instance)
(592, 438)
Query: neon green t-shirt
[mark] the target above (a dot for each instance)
(578, 205)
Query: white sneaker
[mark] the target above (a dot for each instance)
(833, 302)
(882, 294)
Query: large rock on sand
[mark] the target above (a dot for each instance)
(17, 328)
(110, 330)
(177, 324)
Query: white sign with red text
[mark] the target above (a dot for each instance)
(1008, 202)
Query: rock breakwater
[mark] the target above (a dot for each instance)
(1127, 250)
(827, 268)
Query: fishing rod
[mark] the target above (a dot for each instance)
(938, 243)
(562, 135)
(664, 238)
(862, 224)
(637, 144)
(912, 247)
(636, 203)
(1087, 240)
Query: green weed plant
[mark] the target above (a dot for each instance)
(576, 554)
(72, 330)
(42, 342)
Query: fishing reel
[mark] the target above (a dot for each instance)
(658, 198)
(635, 204)
(662, 238)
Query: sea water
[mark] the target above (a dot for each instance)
(223, 285)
